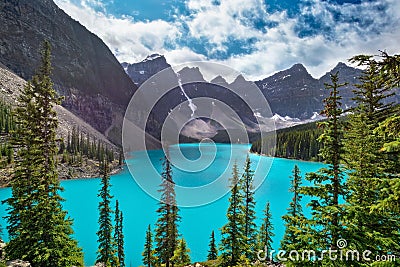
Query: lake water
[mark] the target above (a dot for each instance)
(197, 222)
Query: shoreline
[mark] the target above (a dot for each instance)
(114, 171)
(62, 176)
(277, 157)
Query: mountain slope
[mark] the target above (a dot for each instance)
(10, 88)
(85, 71)
(294, 96)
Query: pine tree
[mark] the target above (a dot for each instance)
(120, 158)
(368, 168)
(212, 252)
(181, 254)
(266, 231)
(119, 234)
(167, 224)
(149, 258)
(106, 252)
(39, 229)
(233, 241)
(294, 219)
(327, 183)
(250, 227)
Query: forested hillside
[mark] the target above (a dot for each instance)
(298, 142)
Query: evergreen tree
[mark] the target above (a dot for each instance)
(106, 252)
(119, 235)
(149, 258)
(39, 229)
(294, 219)
(212, 252)
(250, 227)
(120, 158)
(299, 142)
(326, 224)
(167, 224)
(368, 167)
(389, 200)
(181, 254)
(233, 241)
(266, 231)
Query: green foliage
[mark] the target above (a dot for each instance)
(79, 145)
(325, 226)
(167, 223)
(7, 121)
(297, 142)
(212, 248)
(294, 219)
(367, 150)
(250, 227)
(265, 233)
(106, 252)
(372, 160)
(233, 241)
(119, 234)
(149, 259)
(181, 254)
(38, 227)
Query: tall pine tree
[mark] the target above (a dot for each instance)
(369, 168)
(119, 234)
(181, 254)
(212, 248)
(327, 189)
(166, 236)
(294, 219)
(233, 241)
(106, 252)
(38, 227)
(266, 233)
(250, 227)
(149, 258)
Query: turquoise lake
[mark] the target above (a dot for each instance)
(197, 222)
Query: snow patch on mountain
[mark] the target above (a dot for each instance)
(192, 106)
(151, 57)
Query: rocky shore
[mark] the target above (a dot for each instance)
(90, 169)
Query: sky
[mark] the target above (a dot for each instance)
(255, 37)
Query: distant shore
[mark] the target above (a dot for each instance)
(65, 173)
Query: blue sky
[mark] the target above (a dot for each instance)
(255, 37)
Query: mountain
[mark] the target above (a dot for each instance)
(142, 71)
(294, 96)
(11, 86)
(292, 92)
(85, 71)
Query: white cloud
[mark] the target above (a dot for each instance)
(218, 23)
(348, 29)
(129, 40)
(281, 46)
(183, 55)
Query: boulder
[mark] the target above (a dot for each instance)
(18, 263)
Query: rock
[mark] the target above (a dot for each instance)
(2, 245)
(18, 263)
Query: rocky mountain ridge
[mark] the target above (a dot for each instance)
(292, 92)
(294, 96)
(11, 86)
(85, 71)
